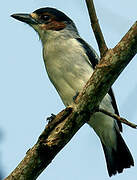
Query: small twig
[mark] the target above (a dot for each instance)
(96, 28)
(118, 118)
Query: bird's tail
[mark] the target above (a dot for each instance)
(117, 158)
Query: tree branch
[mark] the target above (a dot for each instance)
(96, 28)
(60, 131)
(118, 118)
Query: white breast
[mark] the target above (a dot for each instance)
(67, 67)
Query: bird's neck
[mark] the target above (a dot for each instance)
(51, 35)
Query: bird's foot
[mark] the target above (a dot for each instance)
(49, 119)
(75, 97)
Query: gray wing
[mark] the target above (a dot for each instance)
(94, 59)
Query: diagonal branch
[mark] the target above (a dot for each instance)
(59, 132)
(96, 28)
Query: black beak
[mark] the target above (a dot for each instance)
(25, 18)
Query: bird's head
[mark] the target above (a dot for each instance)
(46, 19)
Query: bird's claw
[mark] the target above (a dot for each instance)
(49, 119)
(75, 97)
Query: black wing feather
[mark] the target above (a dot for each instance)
(90, 52)
(114, 104)
(93, 58)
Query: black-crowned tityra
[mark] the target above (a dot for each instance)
(70, 62)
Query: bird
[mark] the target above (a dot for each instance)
(70, 61)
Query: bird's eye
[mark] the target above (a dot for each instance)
(45, 18)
